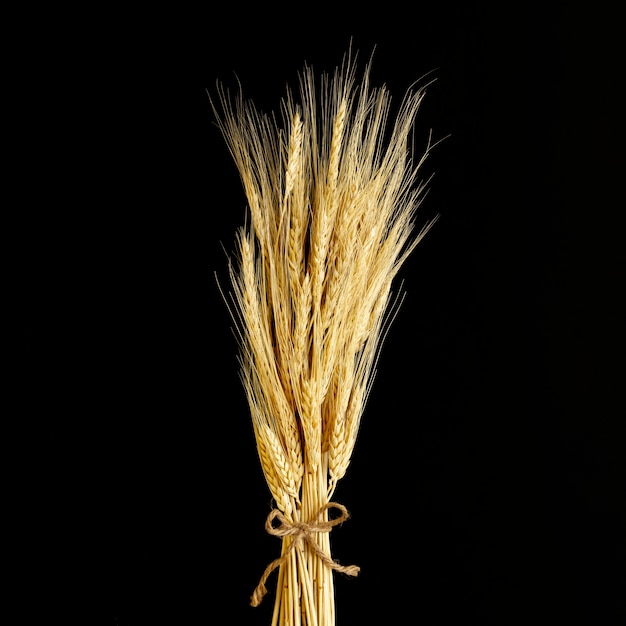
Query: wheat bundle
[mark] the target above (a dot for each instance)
(332, 189)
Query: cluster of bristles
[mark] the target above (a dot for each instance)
(332, 191)
(332, 200)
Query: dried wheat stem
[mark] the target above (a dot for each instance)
(333, 198)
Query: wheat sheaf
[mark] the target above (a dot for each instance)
(333, 188)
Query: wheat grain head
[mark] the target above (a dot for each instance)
(333, 198)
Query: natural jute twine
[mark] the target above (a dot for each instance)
(303, 531)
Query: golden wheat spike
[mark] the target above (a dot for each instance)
(332, 197)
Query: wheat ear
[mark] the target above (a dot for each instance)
(333, 189)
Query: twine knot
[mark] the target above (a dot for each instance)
(302, 531)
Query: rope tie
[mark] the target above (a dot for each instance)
(302, 531)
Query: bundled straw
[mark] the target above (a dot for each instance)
(332, 194)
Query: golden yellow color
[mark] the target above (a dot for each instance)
(332, 189)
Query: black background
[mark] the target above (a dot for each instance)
(486, 483)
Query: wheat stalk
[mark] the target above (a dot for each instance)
(333, 191)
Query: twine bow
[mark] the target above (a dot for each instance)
(303, 531)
